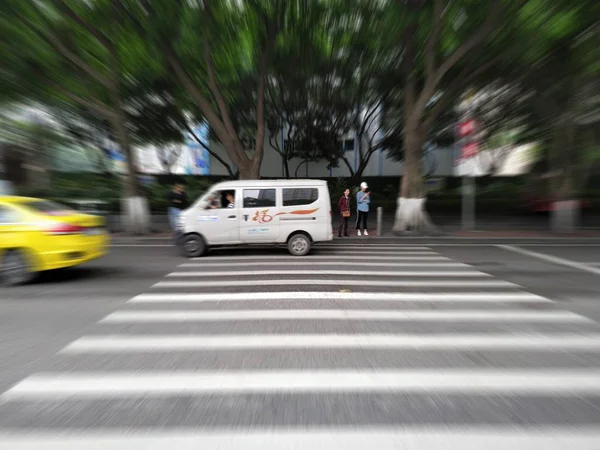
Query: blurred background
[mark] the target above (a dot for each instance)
(479, 119)
(496, 100)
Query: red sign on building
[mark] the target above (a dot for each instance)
(469, 150)
(466, 128)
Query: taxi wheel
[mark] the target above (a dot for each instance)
(15, 268)
(299, 244)
(193, 246)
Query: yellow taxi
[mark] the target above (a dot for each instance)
(38, 235)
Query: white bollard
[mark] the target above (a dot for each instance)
(379, 220)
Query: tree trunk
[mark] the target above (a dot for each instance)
(286, 168)
(364, 162)
(130, 187)
(411, 216)
(230, 171)
(362, 165)
(565, 212)
(250, 172)
(352, 175)
(134, 206)
(136, 217)
(245, 168)
(412, 185)
(565, 206)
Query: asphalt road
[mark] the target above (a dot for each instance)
(447, 344)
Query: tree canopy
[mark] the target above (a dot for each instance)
(394, 73)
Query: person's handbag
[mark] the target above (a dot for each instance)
(345, 213)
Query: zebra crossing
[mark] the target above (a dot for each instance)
(395, 346)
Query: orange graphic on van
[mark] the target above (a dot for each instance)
(263, 216)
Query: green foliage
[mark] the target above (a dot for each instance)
(67, 188)
(539, 58)
(494, 195)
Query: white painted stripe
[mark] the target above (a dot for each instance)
(539, 244)
(552, 259)
(189, 316)
(141, 245)
(518, 241)
(458, 241)
(406, 250)
(388, 244)
(503, 297)
(489, 243)
(356, 273)
(249, 247)
(344, 263)
(454, 241)
(485, 242)
(322, 246)
(374, 246)
(366, 254)
(341, 283)
(476, 381)
(357, 257)
(357, 438)
(172, 343)
(372, 252)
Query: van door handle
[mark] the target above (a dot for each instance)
(231, 217)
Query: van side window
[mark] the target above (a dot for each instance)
(221, 199)
(300, 196)
(259, 198)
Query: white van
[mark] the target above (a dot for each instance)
(292, 212)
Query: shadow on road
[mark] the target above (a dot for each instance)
(75, 274)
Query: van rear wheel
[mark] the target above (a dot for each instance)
(299, 244)
(193, 246)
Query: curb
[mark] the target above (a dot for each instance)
(398, 240)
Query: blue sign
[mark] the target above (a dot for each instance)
(198, 158)
(146, 180)
(113, 153)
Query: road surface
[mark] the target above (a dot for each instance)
(435, 345)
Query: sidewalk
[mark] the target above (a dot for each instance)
(464, 237)
(515, 228)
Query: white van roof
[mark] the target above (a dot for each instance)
(270, 183)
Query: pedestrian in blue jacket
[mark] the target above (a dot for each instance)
(363, 200)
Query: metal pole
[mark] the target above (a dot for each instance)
(468, 203)
(379, 220)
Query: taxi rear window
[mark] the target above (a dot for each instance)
(49, 208)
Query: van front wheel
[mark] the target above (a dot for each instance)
(299, 244)
(193, 246)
